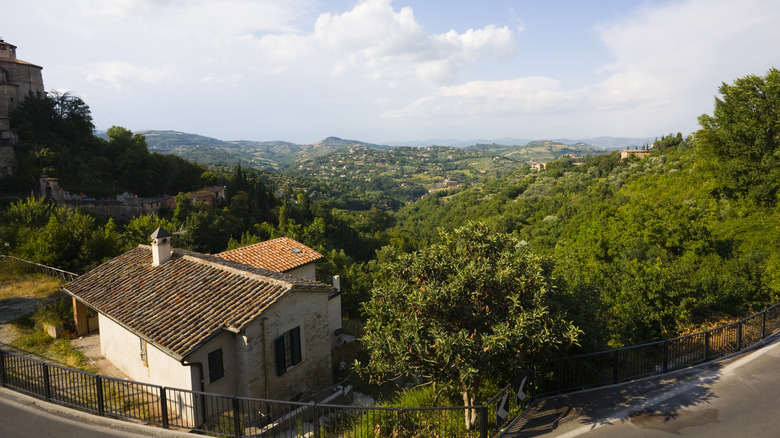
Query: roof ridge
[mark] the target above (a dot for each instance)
(220, 264)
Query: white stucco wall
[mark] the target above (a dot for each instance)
(123, 349)
(308, 271)
(227, 384)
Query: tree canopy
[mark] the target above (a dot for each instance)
(475, 306)
(743, 136)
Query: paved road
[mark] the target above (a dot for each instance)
(737, 397)
(22, 416)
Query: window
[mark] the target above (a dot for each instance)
(216, 370)
(288, 350)
(144, 356)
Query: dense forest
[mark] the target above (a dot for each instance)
(680, 240)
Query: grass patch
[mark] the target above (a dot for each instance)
(39, 342)
(30, 299)
(18, 280)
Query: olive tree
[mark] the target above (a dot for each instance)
(477, 305)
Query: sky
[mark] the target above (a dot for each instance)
(387, 71)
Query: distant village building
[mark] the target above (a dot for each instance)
(210, 196)
(125, 206)
(17, 79)
(538, 166)
(639, 153)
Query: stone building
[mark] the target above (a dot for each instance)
(17, 79)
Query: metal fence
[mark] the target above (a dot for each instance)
(228, 416)
(630, 363)
(65, 276)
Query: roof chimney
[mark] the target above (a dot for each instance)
(161, 247)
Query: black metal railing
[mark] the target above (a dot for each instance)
(631, 363)
(228, 416)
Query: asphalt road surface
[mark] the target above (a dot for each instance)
(22, 416)
(736, 397)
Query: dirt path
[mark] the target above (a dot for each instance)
(12, 308)
(89, 345)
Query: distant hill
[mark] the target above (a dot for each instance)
(264, 155)
(598, 142)
(337, 159)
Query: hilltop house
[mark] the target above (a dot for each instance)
(639, 153)
(289, 256)
(193, 321)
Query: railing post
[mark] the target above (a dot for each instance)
(164, 407)
(739, 336)
(46, 383)
(101, 407)
(666, 357)
(559, 376)
(707, 346)
(763, 324)
(316, 420)
(483, 426)
(2, 368)
(236, 419)
(616, 367)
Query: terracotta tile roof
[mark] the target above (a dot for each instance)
(280, 255)
(182, 303)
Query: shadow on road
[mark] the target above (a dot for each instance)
(641, 402)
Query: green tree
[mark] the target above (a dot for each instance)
(477, 304)
(743, 136)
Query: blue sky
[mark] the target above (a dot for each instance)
(382, 71)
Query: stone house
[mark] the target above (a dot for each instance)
(193, 321)
(210, 196)
(639, 153)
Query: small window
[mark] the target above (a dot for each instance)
(288, 350)
(144, 355)
(216, 370)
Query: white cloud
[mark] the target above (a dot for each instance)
(672, 58)
(667, 63)
(374, 41)
(487, 99)
(120, 74)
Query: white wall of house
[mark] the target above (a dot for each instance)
(123, 349)
(226, 384)
(306, 271)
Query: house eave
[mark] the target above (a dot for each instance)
(146, 338)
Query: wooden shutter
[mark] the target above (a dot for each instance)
(295, 340)
(281, 363)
